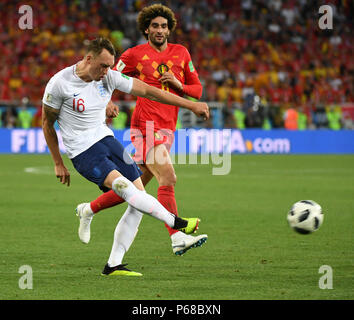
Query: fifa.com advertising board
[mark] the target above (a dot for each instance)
(208, 141)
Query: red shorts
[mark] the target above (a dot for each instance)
(144, 139)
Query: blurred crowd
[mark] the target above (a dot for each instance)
(263, 63)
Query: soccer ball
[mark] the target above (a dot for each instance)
(305, 216)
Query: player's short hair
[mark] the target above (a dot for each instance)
(151, 12)
(97, 45)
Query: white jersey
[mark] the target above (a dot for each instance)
(82, 105)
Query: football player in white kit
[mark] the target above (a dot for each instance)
(77, 97)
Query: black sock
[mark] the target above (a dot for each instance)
(180, 223)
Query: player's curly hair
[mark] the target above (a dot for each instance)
(151, 12)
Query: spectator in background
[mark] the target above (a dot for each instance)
(267, 122)
(24, 116)
(255, 113)
(320, 117)
(334, 116)
(37, 118)
(240, 118)
(348, 122)
(291, 119)
(9, 118)
(302, 119)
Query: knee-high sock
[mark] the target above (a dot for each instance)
(124, 235)
(166, 196)
(142, 201)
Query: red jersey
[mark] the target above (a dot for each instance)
(147, 64)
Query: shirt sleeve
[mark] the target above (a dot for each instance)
(192, 86)
(119, 81)
(126, 63)
(53, 95)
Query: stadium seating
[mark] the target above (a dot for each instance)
(243, 50)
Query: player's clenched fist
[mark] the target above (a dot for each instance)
(201, 109)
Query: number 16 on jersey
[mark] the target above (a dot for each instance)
(79, 105)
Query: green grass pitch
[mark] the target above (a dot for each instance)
(251, 252)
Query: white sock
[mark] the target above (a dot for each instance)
(142, 201)
(124, 235)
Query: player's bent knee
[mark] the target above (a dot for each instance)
(108, 182)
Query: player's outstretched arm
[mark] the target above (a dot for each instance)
(49, 116)
(142, 89)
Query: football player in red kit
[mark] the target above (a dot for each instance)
(168, 67)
